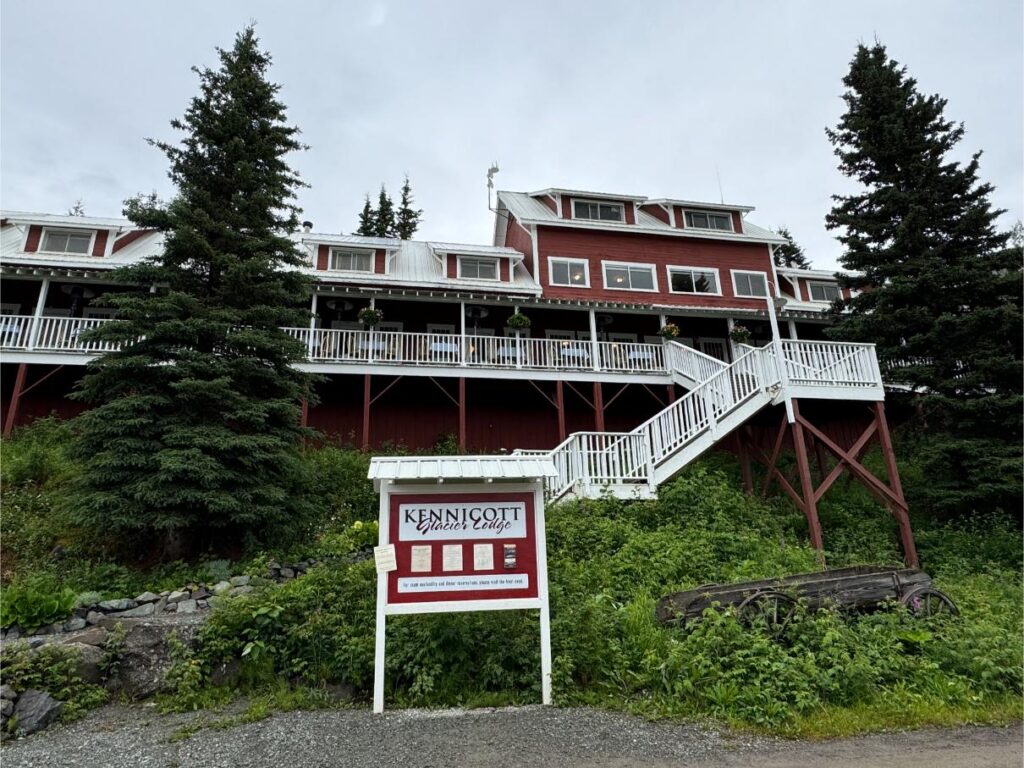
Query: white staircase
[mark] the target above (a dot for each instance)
(721, 398)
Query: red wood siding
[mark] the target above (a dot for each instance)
(129, 238)
(35, 234)
(649, 249)
(517, 237)
(379, 261)
(453, 266)
(656, 211)
(99, 246)
(630, 213)
(737, 221)
(546, 199)
(680, 218)
(323, 253)
(503, 270)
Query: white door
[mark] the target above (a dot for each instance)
(715, 347)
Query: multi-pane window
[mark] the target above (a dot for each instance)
(586, 209)
(750, 284)
(629, 277)
(65, 241)
(351, 261)
(478, 269)
(823, 291)
(570, 272)
(709, 220)
(688, 280)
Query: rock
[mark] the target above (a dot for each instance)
(147, 597)
(239, 581)
(225, 672)
(187, 606)
(213, 601)
(6, 708)
(74, 624)
(203, 603)
(6, 692)
(165, 593)
(160, 605)
(93, 636)
(123, 604)
(39, 641)
(200, 594)
(35, 710)
(146, 656)
(146, 609)
(177, 596)
(340, 691)
(46, 630)
(243, 590)
(13, 633)
(171, 608)
(221, 587)
(89, 659)
(94, 617)
(287, 573)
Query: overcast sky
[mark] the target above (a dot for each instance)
(657, 98)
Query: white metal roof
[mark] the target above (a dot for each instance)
(584, 194)
(698, 204)
(459, 468)
(70, 222)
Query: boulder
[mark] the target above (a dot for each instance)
(177, 596)
(287, 573)
(243, 590)
(221, 587)
(94, 617)
(74, 624)
(239, 581)
(146, 656)
(7, 693)
(147, 597)
(13, 633)
(6, 708)
(35, 710)
(122, 604)
(200, 594)
(89, 659)
(187, 606)
(93, 636)
(146, 609)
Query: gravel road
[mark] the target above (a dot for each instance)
(136, 737)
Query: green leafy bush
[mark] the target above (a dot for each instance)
(52, 668)
(34, 603)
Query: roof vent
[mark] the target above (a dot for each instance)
(307, 226)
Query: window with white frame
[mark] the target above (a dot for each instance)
(66, 241)
(569, 272)
(629, 277)
(347, 260)
(478, 269)
(753, 285)
(693, 280)
(709, 220)
(599, 211)
(823, 291)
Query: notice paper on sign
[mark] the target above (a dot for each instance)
(487, 581)
(385, 559)
(452, 557)
(421, 559)
(483, 557)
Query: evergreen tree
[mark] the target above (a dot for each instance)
(196, 429)
(941, 295)
(367, 220)
(408, 220)
(385, 224)
(78, 209)
(790, 254)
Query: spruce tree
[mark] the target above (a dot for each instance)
(367, 220)
(196, 429)
(408, 219)
(385, 224)
(78, 209)
(790, 254)
(941, 296)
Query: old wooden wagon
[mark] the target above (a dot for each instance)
(861, 587)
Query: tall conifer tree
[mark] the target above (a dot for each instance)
(790, 254)
(196, 425)
(941, 296)
(408, 218)
(385, 224)
(367, 220)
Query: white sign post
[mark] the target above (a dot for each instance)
(475, 543)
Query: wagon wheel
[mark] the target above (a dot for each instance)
(928, 601)
(776, 608)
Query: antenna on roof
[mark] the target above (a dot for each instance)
(490, 182)
(721, 196)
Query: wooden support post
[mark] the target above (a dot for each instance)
(900, 510)
(598, 407)
(744, 453)
(366, 412)
(304, 417)
(462, 413)
(12, 409)
(820, 458)
(806, 486)
(671, 390)
(560, 405)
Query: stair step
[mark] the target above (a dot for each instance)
(629, 491)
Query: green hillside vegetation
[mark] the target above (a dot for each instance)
(827, 674)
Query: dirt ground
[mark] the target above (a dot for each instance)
(137, 737)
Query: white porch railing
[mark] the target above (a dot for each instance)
(15, 331)
(831, 364)
(691, 363)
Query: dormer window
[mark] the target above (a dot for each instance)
(347, 260)
(67, 241)
(823, 291)
(709, 220)
(598, 211)
(473, 268)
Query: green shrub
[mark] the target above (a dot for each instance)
(37, 454)
(35, 602)
(52, 668)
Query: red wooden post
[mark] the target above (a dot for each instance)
(366, 412)
(899, 510)
(12, 409)
(598, 407)
(806, 486)
(671, 393)
(462, 413)
(304, 418)
(560, 405)
(745, 468)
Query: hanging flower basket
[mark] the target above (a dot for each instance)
(740, 334)
(669, 331)
(518, 321)
(369, 316)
